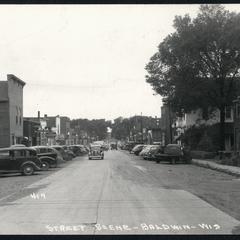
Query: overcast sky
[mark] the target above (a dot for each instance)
(85, 61)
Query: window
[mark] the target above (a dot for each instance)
(238, 110)
(228, 113)
(49, 150)
(20, 115)
(19, 153)
(42, 150)
(4, 154)
(16, 119)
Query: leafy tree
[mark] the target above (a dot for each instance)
(94, 128)
(197, 66)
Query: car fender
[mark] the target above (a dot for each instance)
(30, 163)
(49, 159)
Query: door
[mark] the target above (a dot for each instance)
(4, 161)
(17, 159)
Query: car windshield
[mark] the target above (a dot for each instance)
(95, 147)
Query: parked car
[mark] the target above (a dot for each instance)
(113, 146)
(48, 156)
(174, 153)
(69, 151)
(105, 147)
(66, 155)
(19, 160)
(145, 150)
(129, 146)
(137, 149)
(151, 153)
(78, 150)
(96, 152)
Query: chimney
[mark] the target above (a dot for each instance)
(38, 115)
(45, 115)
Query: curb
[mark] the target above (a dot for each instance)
(217, 167)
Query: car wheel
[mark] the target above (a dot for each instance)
(27, 170)
(45, 165)
(89, 158)
(157, 161)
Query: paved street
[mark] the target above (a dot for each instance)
(121, 194)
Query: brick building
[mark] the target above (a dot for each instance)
(11, 111)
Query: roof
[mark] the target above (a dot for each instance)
(18, 80)
(16, 148)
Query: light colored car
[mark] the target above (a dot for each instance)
(145, 150)
(96, 152)
(137, 149)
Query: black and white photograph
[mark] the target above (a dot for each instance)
(120, 119)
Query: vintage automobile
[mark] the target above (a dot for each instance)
(145, 150)
(129, 146)
(151, 154)
(174, 153)
(78, 150)
(19, 160)
(96, 152)
(66, 154)
(137, 149)
(48, 156)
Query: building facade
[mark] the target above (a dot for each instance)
(237, 124)
(11, 111)
(195, 118)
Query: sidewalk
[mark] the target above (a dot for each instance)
(218, 167)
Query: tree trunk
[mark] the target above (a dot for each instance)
(222, 128)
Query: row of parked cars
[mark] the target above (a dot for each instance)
(27, 160)
(172, 153)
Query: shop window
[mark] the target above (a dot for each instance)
(228, 113)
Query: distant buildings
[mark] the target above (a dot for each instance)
(11, 111)
(48, 130)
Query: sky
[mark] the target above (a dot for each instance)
(86, 61)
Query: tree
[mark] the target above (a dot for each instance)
(94, 128)
(197, 66)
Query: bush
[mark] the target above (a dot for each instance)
(204, 138)
(203, 155)
(233, 161)
(205, 144)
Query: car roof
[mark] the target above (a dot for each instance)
(16, 148)
(42, 147)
